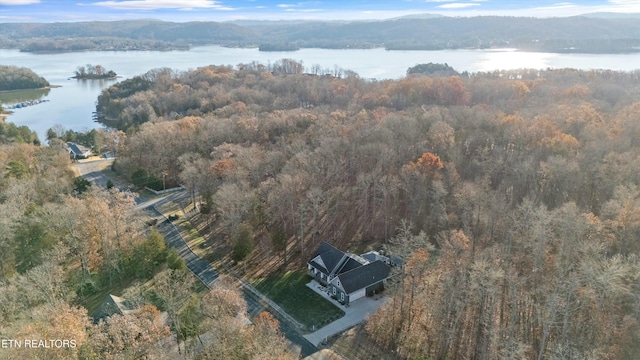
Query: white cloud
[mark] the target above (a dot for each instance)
(556, 6)
(16, 18)
(304, 10)
(18, 2)
(304, 3)
(159, 4)
(626, 5)
(625, 2)
(457, 5)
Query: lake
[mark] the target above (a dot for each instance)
(72, 104)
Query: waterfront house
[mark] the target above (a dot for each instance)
(78, 151)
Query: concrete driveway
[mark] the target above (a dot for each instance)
(355, 313)
(90, 169)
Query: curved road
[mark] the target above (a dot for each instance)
(203, 271)
(91, 170)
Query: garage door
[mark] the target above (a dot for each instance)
(356, 295)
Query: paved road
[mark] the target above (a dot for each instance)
(90, 170)
(198, 266)
(203, 270)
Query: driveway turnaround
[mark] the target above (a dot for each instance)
(355, 313)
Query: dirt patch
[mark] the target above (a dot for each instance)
(75, 170)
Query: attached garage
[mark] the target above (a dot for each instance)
(360, 282)
(357, 295)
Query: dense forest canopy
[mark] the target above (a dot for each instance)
(513, 195)
(19, 78)
(578, 34)
(11, 133)
(67, 244)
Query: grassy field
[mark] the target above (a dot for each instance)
(290, 292)
(93, 302)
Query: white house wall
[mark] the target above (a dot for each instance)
(357, 295)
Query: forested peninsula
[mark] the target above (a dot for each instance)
(19, 78)
(512, 196)
(591, 33)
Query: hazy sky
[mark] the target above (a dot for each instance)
(222, 10)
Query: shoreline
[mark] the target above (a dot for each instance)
(42, 88)
(388, 47)
(96, 78)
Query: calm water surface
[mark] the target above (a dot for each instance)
(72, 104)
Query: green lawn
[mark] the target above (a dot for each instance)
(290, 292)
(190, 234)
(93, 302)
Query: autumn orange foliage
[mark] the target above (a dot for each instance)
(427, 163)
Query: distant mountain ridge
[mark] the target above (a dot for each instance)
(419, 16)
(610, 15)
(133, 29)
(590, 33)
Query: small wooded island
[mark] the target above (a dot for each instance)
(20, 78)
(94, 72)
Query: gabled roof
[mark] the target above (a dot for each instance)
(330, 258)
(364, 276)
(77, 149)
(113, 305)
(349, 265)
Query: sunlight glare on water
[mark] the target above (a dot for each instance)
(72, 104)
(509, 59)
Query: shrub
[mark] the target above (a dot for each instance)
(175, 262)
(140, 177)
(243, 243)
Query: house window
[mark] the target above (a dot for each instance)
(342, 297)
(334, 291)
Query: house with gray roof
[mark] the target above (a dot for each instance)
(78, 151)
(348, 276)
(113, 305)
